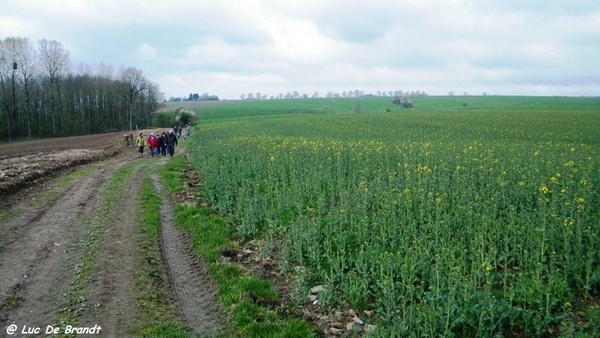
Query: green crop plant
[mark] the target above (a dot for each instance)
(444, 221)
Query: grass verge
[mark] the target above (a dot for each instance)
(251, 302)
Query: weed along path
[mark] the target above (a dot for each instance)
(95, 252)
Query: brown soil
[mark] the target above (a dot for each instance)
(26, 164)
(43, 246)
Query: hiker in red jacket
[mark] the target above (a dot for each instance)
(152, 143)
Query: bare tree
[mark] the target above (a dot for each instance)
(106, 71)
(135, 82)
(54, 59)
(4, 71)
(153, 98)
(26, 58)
(17, 60)
(84, 69)
(8, 72)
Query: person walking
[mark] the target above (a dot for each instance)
(152, 143)
(171, 142)
(162, 143)
(140, 143)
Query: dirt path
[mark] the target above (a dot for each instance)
(43, 249)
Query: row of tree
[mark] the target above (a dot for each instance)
(40, 96)
(349, 94)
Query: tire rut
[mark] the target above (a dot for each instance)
(191, 285)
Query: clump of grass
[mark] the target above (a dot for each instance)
(8, 215)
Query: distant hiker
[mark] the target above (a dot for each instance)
(162, 144)
(187, 130)
(140, 143)
(171, 142)
(152, 143)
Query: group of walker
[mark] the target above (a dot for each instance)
(158, 145)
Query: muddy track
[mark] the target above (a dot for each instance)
(192, 288)
(35, 256)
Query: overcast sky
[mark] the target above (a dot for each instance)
(228, 48)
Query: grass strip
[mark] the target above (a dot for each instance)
(248, 299)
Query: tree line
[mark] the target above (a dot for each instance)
(332, 95)
(40, 96)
